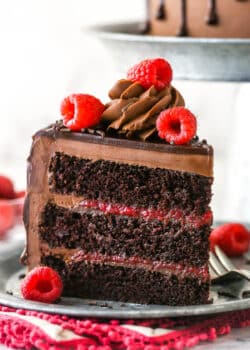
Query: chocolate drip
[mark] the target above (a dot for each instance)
(212, 18)
(183, 31)
(161, 13)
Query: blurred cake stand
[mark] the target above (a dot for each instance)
(192, 58)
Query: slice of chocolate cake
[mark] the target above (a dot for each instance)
(119, 218)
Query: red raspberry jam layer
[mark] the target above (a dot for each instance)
(158, 266)
(150, 214)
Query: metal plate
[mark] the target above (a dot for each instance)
(9, 281)
(191, 58)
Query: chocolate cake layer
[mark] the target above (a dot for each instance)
(125, 236)
(125, 284)
(129, 184)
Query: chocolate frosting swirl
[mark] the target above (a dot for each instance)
(133, 110)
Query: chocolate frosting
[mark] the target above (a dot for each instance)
(132, 111)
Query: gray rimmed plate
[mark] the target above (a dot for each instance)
(11, 275)
(192, 58)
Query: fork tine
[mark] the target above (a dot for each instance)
(224, 260)
(212, 273)
(216, 265)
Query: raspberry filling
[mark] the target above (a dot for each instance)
(149, 213)
(158, 266)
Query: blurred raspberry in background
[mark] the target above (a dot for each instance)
(11, 205)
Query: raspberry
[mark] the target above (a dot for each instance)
(42, 284)
(20, 194)
(6, 188)
(7, 216)
(157, 72)
(176, 125)
(233, 239)
(81, 111)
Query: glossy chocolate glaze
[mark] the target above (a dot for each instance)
(161, 12)
(212, 18)
(103, 137)
(183, 31)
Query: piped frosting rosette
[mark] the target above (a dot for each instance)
(133, 110)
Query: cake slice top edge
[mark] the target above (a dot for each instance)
(96, 136)
(195, 158)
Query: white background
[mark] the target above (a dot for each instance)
(45, 55)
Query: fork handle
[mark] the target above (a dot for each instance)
(244, 273)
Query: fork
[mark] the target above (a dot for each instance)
(222, 266)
